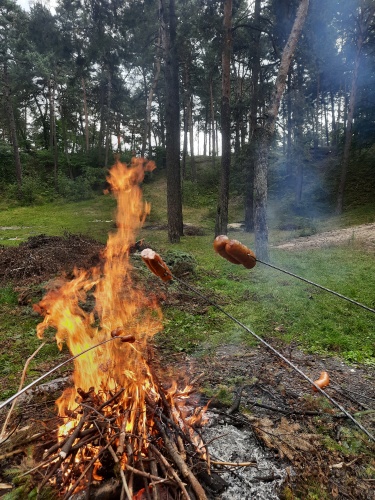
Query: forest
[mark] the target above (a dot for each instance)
(259, 116)
(277, 96)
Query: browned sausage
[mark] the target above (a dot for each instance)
(219, 247)
(322, 381)
(241, 253)
(156, 264)
(117, 333)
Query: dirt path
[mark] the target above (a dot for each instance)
(363, 233)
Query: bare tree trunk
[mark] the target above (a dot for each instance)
(147, 129)
(86, 115)
(316, 135)
(334, 125)
(193, 167)
(289, 170)
(108, 120)
(185, 142)
(298, 135)
(264, 135)
(222, 208)
(172, 121)
(12, 129)
(254, 107)
(53, 135)
(212, 136)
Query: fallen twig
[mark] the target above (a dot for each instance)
(23, 376)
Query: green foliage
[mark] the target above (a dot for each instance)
(25, 487)
(180, 263)
(8, 296)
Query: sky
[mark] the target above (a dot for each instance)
(25, 4)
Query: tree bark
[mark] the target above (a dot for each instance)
(212, 141)
(193, 167)
(264, 135)
(172, 122)
(254, 106)
(222, 208)
(12, 129)
(53, 135)
(86, 115)
(147, 129)
(363, 26)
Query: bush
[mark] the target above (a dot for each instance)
(180, 263)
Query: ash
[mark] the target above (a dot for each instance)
(228, 443)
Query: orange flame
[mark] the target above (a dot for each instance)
(87, 309)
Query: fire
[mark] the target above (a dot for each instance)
(117, 405)
(86, 310)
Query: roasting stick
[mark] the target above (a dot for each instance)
(318, 286)
(35, 382)
(237, 253)
(163, 272)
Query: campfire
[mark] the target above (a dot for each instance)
(120, 425)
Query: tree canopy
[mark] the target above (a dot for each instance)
(94, 78)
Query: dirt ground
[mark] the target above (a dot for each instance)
(364, 233)
(319, 446)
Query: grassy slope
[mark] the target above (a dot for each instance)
(269, 302)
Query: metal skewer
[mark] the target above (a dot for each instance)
(317, 285)
(277, 353)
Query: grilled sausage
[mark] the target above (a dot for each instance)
(156, 264)
(322, 381)
(241, 253)
(219, 247)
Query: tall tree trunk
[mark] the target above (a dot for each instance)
(289, 170)
(254, 106)
(172, 122)
(102, 123)
(53, 135)
(316, 135)
(298, 155)
(193, 167)
(185, 140)
(349, 129)
(264, 135)
(108, 120)
(222, 208)
(86, 115)
(334, 124)
(150, 96)
(212, 113)
(364, 22)
(12, 129)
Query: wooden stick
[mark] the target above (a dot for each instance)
(2, 433)
(74, 435)
(106, 403)
(123, 478)
(154, 471)
(172, 471)
(61, 443)
(92, 461)
(147, 475)
(12, 453)
(120, 447)
(235, 464)
(140, 462)
(181, 464)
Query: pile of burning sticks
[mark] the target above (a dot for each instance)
(99, 450)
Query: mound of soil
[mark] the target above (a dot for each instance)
(42, 257)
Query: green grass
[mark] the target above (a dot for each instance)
(274, 305)
(90, 217)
